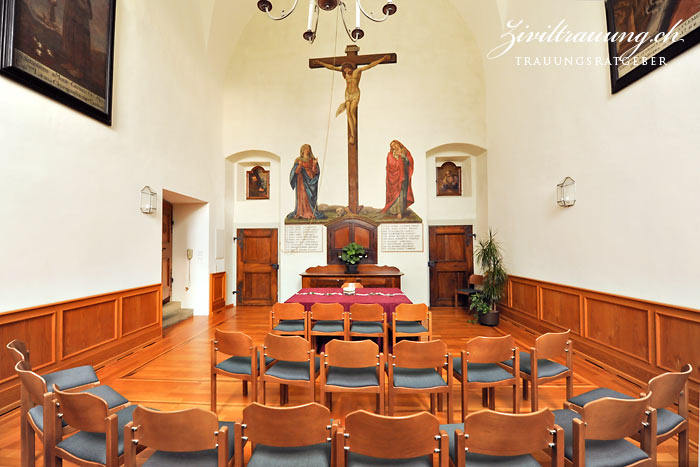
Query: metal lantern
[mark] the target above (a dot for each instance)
(149, 200)
(566, 193)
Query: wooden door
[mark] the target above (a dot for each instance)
(167, 266)
(256, 266)
(451, 262)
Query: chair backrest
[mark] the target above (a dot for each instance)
(553, 344)
(34, 385)
(411, 354)
(352, 354)
(287, 348)
(82, 410)
(392, 437)
(609, 419)
(18, 352)
(287, 311)
(666, 388)
(303, 425)
(367, 312)
(355, 285)
(327, 311)
(233, 342)
(490, 349)
(179, 431)
(504, 434)
(476, 279)
(411, 312)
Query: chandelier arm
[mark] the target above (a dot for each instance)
(283, 15)
(345, 24)
(369, 15)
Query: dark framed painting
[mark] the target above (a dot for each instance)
(258, 183)
(449, 179)
(63, 49)
(649, 33)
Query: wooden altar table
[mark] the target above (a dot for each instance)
(387, 298)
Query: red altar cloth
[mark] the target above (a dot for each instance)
(387, 298)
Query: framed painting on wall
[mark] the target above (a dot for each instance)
(63, 49)
(659, 31)
(257, 183)
(449, 179)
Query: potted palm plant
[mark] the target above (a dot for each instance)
(490, 258)
(352, 254)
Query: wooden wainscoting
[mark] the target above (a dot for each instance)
(637, 339)
(217, 292)
(86, 331)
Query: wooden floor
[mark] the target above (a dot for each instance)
(174, 374)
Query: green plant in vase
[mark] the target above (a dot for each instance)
(490, 258)
(351, 255)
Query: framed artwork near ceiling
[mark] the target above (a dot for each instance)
(676, 21)
(449, 179)
(258, 183)
(63, 49)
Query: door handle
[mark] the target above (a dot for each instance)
(432, 264)
(276, 267)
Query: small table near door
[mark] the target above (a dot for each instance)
(387, 298)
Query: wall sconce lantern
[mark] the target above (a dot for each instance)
(566, 193)
(149, 200)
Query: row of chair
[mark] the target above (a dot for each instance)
(362, 320)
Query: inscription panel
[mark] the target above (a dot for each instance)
(620, 327)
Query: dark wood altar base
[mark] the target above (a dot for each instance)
(369, 275)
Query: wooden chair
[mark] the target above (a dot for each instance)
(282, 435)
(327, 320)
(352, 367)
(474, 281)
(356, 285)
(417, 367)
(411, 320)
(293, 363)
(289, 319)
(368, 320)
(494, 438)
(243, 363)
(537, 366)
(370, 439)
(183, 437)
(596, 436)
(100, 439)
(479, 367)
(666, 390)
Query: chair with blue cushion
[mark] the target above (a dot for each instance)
(418, 368)
(368, 320)
(286, 436)
(489, 438)
(667, 389)
(411, 320)
(292, 362)
(184, 438)
(596, 436)
(369, 440)
(479, 367)
(289, 319)
(538, 366)
(326, 320)
(352, 367)
(242, 363)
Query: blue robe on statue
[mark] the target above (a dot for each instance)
(304, 179)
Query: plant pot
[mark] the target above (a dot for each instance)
(350, 268)
(489, 319)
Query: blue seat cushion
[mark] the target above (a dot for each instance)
(367, 327)
(240, 365)
(92, 446)
(595, 394)
(71, 378)
(206, 458)
(599, 453)
(359, 460)
(545, 368)
(417, 378)
(352, 377)
(482, 372)
(666, 420)
(317, 455)
(482, 459)
(298, 371)
(290, 325)
(468, 290)
(412, 327)
(328, 326)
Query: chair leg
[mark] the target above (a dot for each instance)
(254, 388)
(449, 407)
(281, 394)
(516, 398)
(524, 389)
(440, 404)
(390, 401)
(433, 400)
(534, 402)
(485, 397)
(569, 387)
(465, 401)
(263, 398)
(492, 398)
(245, 388)
(213, 392)
(683, 449)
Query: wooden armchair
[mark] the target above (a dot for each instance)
(292, 363)
(286, 435)
(411, 320)
(538, 367)
(352, 367)
(368, 320)
(243, 363)
(289, 319)
(184, 437)
(327, 320)
(370, 439)
(479, 367)
(472, 283)
(417, 367)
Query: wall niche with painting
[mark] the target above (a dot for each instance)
(257, 183)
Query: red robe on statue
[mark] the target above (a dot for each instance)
(399, 172)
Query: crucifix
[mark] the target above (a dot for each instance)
(351, 68)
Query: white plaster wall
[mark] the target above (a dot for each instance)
(191, 230)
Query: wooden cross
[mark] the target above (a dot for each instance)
(351, 67)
